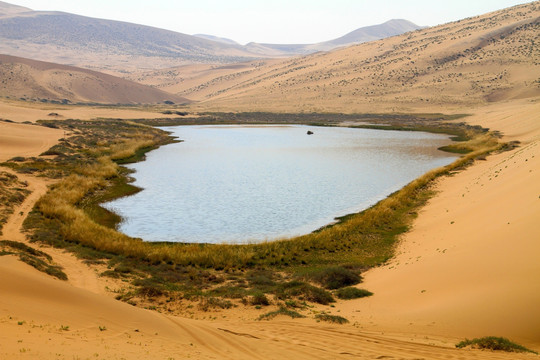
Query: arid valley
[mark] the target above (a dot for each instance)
(454, 255)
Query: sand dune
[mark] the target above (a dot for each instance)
(468, 267)
(26, 140)
(48, 319)
(43, 81)
(470, 62)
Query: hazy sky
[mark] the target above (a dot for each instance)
(272, 21)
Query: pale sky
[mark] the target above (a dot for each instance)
(272, 21)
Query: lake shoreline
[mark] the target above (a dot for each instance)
(436, 123)
(268, 158)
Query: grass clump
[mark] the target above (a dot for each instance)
(214, 303)
(281, 311)
(304, 291)
(336, 319)
(260, 299)
(335, 277)
(494, 343)
(349, 293)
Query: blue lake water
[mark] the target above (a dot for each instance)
(252, 183)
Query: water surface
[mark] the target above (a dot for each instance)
(254, 183)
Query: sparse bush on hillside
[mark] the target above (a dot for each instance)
(332, 318)
(281, 311)
(335, 277)
(494, 343)
(349, 293)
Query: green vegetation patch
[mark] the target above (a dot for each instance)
(335, 277)
(349, 293)
(494, 343)
(336, 319)
(281, 311)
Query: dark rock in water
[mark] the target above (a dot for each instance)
(310, 132)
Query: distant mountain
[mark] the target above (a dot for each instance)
(105, 44)
(370, 33)
(358, 36)
(118, 47)
(47, 82)
(217, 39)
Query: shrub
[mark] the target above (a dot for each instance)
(331, 318)
(305, 292)
(261, 278)
(213, 303)
(494, 343)
(150, 291)
(335, 277)
(349, 293)
(281, 311)
(260, 299)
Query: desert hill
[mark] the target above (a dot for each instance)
(217, 39)
(105, 44)
(361, 35)
(120, 47)
(47, 82)
(469, 62)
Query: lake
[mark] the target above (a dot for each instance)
(236, 184)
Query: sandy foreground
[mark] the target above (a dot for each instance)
(468, 268)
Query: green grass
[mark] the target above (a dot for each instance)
(259, 298)
(494, 343)
(208, 304)
(349, 293)
(303, 291)
(335, 277)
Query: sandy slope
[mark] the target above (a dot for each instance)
(25, 140)
(39, 80)
(34, 308)
(470, 267)
(473, 61)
